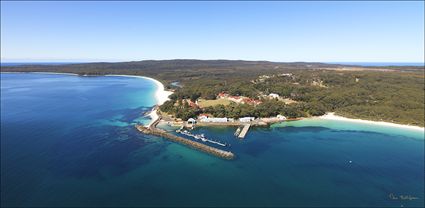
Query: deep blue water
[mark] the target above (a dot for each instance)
(69, 140)
(36, 63)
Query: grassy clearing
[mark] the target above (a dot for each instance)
(206, 103)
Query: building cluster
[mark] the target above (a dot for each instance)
(285, 75)
(209, 119)
(318, 83)
(263, 78)
(192, 104)
(246, 119)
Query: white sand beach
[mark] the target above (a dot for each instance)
(332, 116)
(154, 115)
(161, 95)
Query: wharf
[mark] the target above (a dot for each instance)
(196, 145)
(244, 131)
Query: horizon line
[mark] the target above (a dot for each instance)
(117, 61)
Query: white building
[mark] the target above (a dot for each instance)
(280, 117)
(202, 116)
(191, 121)
(285, 74)
(216, 120)
(246, 119)
(273, 95)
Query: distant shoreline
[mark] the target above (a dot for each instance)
(63, 73)
(332, 116)
(161, 95)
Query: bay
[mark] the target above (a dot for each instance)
(70, 141)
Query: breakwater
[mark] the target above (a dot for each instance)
(193, 144)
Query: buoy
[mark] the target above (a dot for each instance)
(350, 161)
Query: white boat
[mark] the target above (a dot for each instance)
(201, 137)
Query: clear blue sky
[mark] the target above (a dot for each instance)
(275, 31)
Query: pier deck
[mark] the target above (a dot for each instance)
(244, 131)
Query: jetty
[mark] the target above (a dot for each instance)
(244, 131)
(195, 145)
(152, 130)
(200, 137)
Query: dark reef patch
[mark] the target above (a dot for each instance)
(110, 151)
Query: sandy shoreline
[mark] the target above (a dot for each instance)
(332, 116)
(60, 73)
(161, 95)
(154, 116)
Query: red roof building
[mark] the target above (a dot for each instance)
(223, 95)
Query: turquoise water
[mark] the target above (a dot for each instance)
(69, 140)
(354, 126)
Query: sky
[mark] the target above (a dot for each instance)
(274, 31)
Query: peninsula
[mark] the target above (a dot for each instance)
(244, 89)
(258, 93)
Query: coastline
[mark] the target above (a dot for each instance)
(332, 116)
(59, 73)
(161, 95)
(154, 116)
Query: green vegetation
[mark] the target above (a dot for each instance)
(181, 110)
(394, 96)
(383, 96)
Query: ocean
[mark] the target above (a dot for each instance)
(37, 63)
(70, 141)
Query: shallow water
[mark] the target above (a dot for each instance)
(69, 140)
